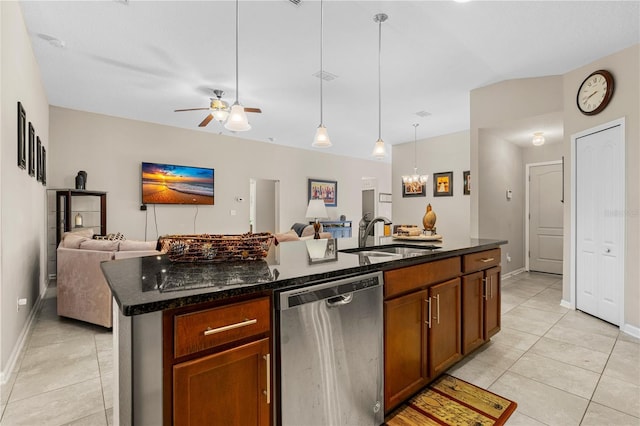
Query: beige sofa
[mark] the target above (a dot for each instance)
(83, 292)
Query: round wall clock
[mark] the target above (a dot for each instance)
(595, 92)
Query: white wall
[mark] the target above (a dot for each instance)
(111, 149)
(22, 199)
(434, 155)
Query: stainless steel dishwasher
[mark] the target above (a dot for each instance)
(331, 353)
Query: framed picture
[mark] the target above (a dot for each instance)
(384, 197)
(39, 160)
(326, 190)
(32, 150)
(44, 166)
(22, 132)
(330, 254)
(414, 189)
(443, 184)
(466, 179)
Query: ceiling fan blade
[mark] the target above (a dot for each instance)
(206, 121)
(252, 110)
(190, 109)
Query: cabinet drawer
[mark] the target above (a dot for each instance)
(481, 260)
(402, 280)
(201, 330)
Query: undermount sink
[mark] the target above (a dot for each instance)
(391, 252)
(375, 253)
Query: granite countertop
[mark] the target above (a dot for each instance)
(154, 283)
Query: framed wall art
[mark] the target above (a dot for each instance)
(443, 184)
(39, 159)
(44, 166)
(466, 182)
(326, 190)
(22, 133)
(32, 150)
(414, 189)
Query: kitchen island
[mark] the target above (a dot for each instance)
(156, 297)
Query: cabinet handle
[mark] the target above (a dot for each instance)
(438, 308)
(267, 392)
(428, 300)
(244, 323)
(485, 293)
(487, 259)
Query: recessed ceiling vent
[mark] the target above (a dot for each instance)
(326, 76)
(296, 2)
(423, 114)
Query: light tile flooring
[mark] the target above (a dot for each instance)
(562, 367)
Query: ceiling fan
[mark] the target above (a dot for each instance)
(218, 108)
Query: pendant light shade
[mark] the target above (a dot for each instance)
(237, 120)
(415, 177)
(321, 139)
(379, 150)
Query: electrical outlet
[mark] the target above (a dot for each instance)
(20, 302)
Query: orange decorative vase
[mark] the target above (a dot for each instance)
(429, 219)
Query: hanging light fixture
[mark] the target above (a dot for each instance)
(237, 120)
(321, 139)
(219, 108)
(379, 150)
(538, 139)
(415, 177)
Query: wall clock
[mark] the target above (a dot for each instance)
(595, 92)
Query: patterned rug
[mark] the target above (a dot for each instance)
(452, 402)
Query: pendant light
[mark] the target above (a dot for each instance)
(321, 139)
(237, 120)
(379, 150)
(415, 177)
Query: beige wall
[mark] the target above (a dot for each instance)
(439, 154)
(625, 67)
(22, 199)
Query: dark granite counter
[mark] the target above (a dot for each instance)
(153, 283)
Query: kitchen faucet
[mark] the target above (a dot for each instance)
(362, 237)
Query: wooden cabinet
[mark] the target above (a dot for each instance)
(444, 326)
(405, 346)
(480, 298)
(217, 364)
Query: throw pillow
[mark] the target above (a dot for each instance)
(102, 245)
(83, 232)
(72, 241)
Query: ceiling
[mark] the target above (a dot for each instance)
(143, 59)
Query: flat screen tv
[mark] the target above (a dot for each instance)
(171, 184)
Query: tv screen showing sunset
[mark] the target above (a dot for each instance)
(171, 184)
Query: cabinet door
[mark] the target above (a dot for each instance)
(445, 326)
(472, 312)
(492, 302)
(405, 347)
(228, 388)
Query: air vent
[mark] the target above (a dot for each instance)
(423, 114)
(296, 2)
(326, 76)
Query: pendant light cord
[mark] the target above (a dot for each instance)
(379, 79)
(321, 68)
(415, 147)
(237, 31)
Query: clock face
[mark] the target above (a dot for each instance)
(595, 92)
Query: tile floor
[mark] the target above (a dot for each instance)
(563, 367)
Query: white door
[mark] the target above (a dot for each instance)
(599, 228)
(545, 218)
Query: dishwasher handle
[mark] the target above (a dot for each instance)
(341, 300)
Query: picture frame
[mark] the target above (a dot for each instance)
(38, 159)
(414, 189)
(22, 133)
(384, 197)
(326, 190)
(44, 166)
(32, 150)
(466, 182)
(330, 254)
(443, 184)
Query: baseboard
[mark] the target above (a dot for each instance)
(566, 304)
(512, 273)
(22, 339)
(631, 330)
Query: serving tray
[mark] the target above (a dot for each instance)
(435, 237)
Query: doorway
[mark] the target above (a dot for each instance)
(599, 221)
(545, 217)
(264, 205)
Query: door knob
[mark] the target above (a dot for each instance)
(608, 250)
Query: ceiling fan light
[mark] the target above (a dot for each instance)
(237, 120)
(322, 138)
(220, 114)
(538, 139)
(379, 150)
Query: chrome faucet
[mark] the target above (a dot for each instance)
(362, 237)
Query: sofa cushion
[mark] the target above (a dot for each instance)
(308, 230)
(131, 245)
(102, 245)
(291, 235)
(72, 241)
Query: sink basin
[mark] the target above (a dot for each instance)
(384, 253)
(376, 253)
(404, 251)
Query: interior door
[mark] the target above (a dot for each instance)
(545, 218)
(600, 216)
